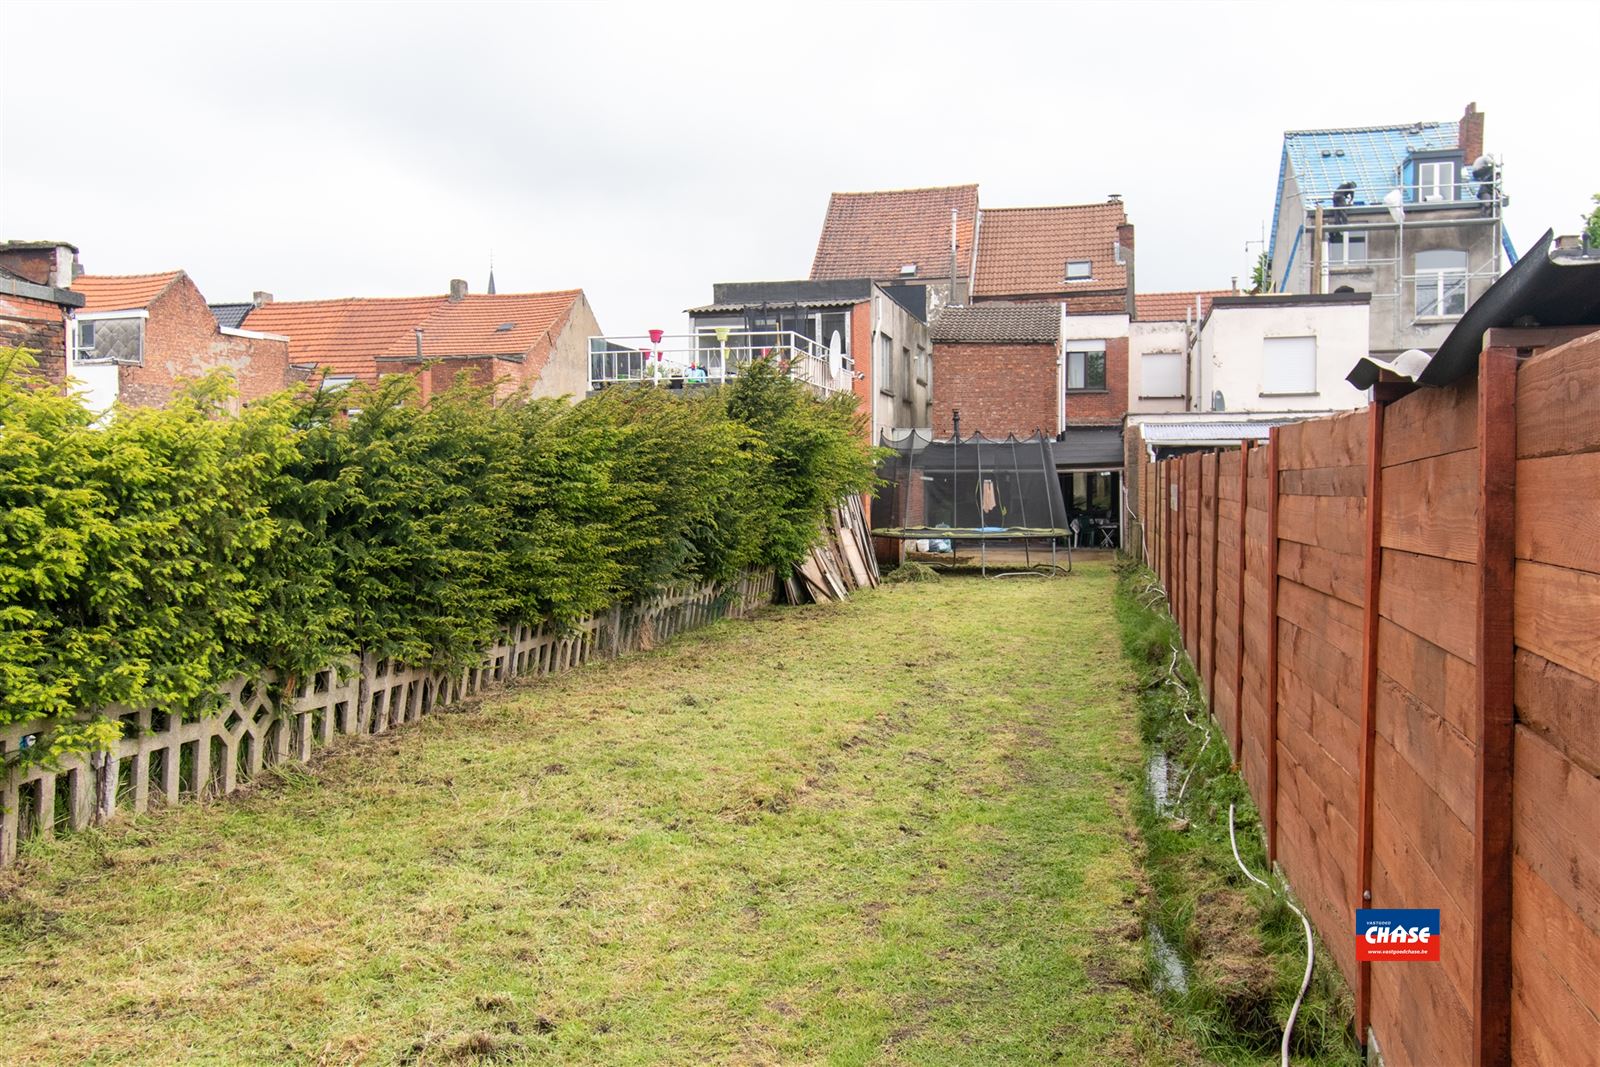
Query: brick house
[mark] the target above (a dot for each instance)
(998, 369)
(1076, 255)
(137, 336)
(1010, 367)
(533, 341)
(36, 303)
(1076, 260)
(902, 235)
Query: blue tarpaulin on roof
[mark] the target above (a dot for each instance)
(1371, 157)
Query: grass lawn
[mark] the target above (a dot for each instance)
(892, 831)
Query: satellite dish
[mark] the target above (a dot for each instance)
(835, 353)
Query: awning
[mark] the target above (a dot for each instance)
(1089, 446)
(1205, 434)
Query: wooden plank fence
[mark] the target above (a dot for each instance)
(1395, 615)
(165, 759)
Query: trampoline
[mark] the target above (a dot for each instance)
(969, 489)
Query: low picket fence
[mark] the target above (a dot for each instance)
(165, 759)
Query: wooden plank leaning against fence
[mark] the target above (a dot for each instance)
(1418, 703)
(165, 759)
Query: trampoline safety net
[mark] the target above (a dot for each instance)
(971, 488)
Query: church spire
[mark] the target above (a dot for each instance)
(491, 274)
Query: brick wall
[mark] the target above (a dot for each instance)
(1100, 302)
(1469, 133)
(35, 264)
(182, 341)
(1104, 408)
(999, 388)
(1108, 303)
(38, 326)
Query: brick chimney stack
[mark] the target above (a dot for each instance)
(1470, 136)
(1125, 246)
(458, 290)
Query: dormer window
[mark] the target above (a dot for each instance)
(908, 270)
(1079, 270)
(1436, 179)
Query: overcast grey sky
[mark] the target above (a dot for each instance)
(644, 152)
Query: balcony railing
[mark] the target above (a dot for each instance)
(1466, 192)
(682, 360)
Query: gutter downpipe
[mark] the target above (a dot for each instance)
(1061, 377)
(872, 356)
(1191, 331)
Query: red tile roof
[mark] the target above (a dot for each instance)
(1171, 307)
(472, 325)
(122, 292)
(347, 335)
(1023, 251)
(872, 235)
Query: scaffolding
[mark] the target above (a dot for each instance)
(1332, 219)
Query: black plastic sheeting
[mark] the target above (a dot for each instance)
(976, 487)
(1545, 288)
(1089, 446)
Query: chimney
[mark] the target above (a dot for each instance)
(259, 297)
(1125, 248)
(458, 289)
(1470, 134)
(42, 262)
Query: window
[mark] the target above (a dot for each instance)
(1436, 180)
(1086, 366)
(1441, 284)
(1079, 270)
(884, 371)
(1289, 366)
(332, 384)
(110, 341)
(1161, 374)
(1347, 249)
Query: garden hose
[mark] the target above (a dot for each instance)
(1311, 947)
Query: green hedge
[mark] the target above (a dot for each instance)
(149, 559)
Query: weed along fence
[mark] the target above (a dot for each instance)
(1396, 617)
(164, 759)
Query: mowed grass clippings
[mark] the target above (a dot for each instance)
(895, 830)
